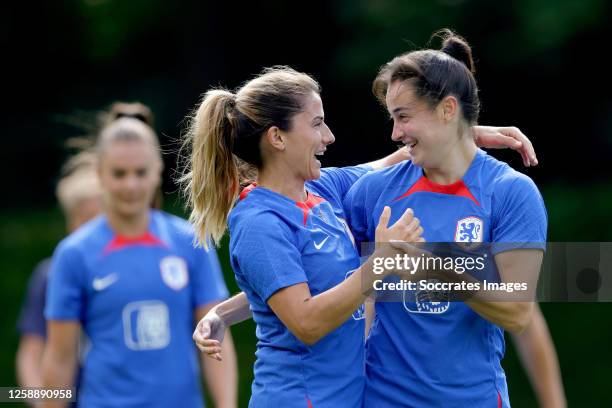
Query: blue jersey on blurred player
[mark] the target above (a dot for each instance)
(135, 298)
(422, 353)
(277, 242)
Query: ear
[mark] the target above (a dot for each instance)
(449, 108)
(161, 166)
(275, 138)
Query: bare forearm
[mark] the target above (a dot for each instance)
(328, 310)
(311, 317)
(234, 310)
(221, 376)
(537, 352)
(504, 309)
(396, 157)
(511, 316)
(511, 310)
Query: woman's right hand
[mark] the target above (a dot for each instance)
(399, 238)
(406, 229)
(208, 334)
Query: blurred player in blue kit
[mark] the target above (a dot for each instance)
(135, 283)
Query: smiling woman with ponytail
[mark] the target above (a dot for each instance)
(224, 137)
(301, 302)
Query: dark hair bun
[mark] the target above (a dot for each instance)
(457, 47)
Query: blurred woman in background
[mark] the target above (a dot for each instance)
(134, 282)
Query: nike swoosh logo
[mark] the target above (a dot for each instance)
(103, 283)
(320, 244)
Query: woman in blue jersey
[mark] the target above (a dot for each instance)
(290, 248)
(424, 350)
(132, 280)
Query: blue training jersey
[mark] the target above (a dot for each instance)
(444, 354)
(276, 242)
(135, 299)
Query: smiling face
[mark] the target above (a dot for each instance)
(307, 139)
(129, 174)
(418, 126)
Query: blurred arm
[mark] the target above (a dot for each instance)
(221, 376)
(60, 356)
(29, 360)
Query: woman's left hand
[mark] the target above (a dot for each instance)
(506, 137)
(208, 334)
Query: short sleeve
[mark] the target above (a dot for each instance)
(31, 318)
(338, 180)
(519, 218)
(207, 277)
(267, 256)
(66, 289)
(355, 206)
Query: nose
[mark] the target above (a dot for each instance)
(131, 182)
(328, 136)
(397, 134)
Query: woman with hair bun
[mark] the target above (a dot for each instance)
(432, 351)
(133, 281)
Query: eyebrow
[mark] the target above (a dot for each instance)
(400, 108)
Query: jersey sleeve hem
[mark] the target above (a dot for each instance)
(281, 284)
(497, 248)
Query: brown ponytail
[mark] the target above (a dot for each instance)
(211, 182)
(223, 142)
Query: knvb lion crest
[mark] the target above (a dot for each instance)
(469, 230)
(174, 272)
